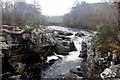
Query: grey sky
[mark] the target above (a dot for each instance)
(57, 7)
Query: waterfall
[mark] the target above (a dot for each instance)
(71, 61)
(74, 54)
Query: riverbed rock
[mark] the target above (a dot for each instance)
(68, 34)
(79, 34)
(63, 37)
(61, 49)
(66, 43)
(7, 27)
(3, 45)
(111, 73)
(2, 39)
(7, 69)
(20, 67)
(77, 72)
(61, 33)
(72, 46)
(83, 53)
(68, 76)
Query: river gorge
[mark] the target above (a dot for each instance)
(49, 52)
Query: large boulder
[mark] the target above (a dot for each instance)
(68, 34)
(21, 42)
(111, 73)
(72, 46)
(83, 53)
(79, 34)
(77, 71)
(61, 49)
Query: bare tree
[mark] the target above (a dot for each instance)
(87, 16)
(21, 14)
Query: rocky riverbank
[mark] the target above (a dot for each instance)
(50, 52)
(25, 52)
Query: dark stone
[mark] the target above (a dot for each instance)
(32, 72)
(7, 27)
(31, 57)
(64, 37)
(83, 53)
(61, 49)
(7, 68)
(68, 34)
(52, 61)
(79, 34)
(111, 73)
(72, 47)
(61, 33)
(75, 71)
(84, 45)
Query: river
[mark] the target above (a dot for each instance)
(71, 61)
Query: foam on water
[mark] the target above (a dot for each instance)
(74, 54)
(71, 61)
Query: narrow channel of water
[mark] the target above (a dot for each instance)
(64, 65)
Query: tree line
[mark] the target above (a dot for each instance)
(21, 14)
(89, 15)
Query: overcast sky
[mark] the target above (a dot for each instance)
(58, 7)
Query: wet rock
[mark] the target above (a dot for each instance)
(7, 27)
(84, 45)
(77, 71)
(3, 45)
(61, 33)
(30, 58)
(111, 73)
(7, 68)
(69, 44)
(79, 34)
(25, 47)
(68, 34)
(66, 43)
(63, 37)
(32, 72)
(61, 49)
(68, 76)
(2, 39)
(26, 35)
(16, 77)
(72, 46)
(20, 67)
(83, 53)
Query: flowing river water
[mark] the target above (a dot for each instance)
(63, 65)
(71, 61)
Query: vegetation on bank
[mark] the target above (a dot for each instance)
(88, 15)
(107, 40)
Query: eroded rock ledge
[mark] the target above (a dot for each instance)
(24, 52)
